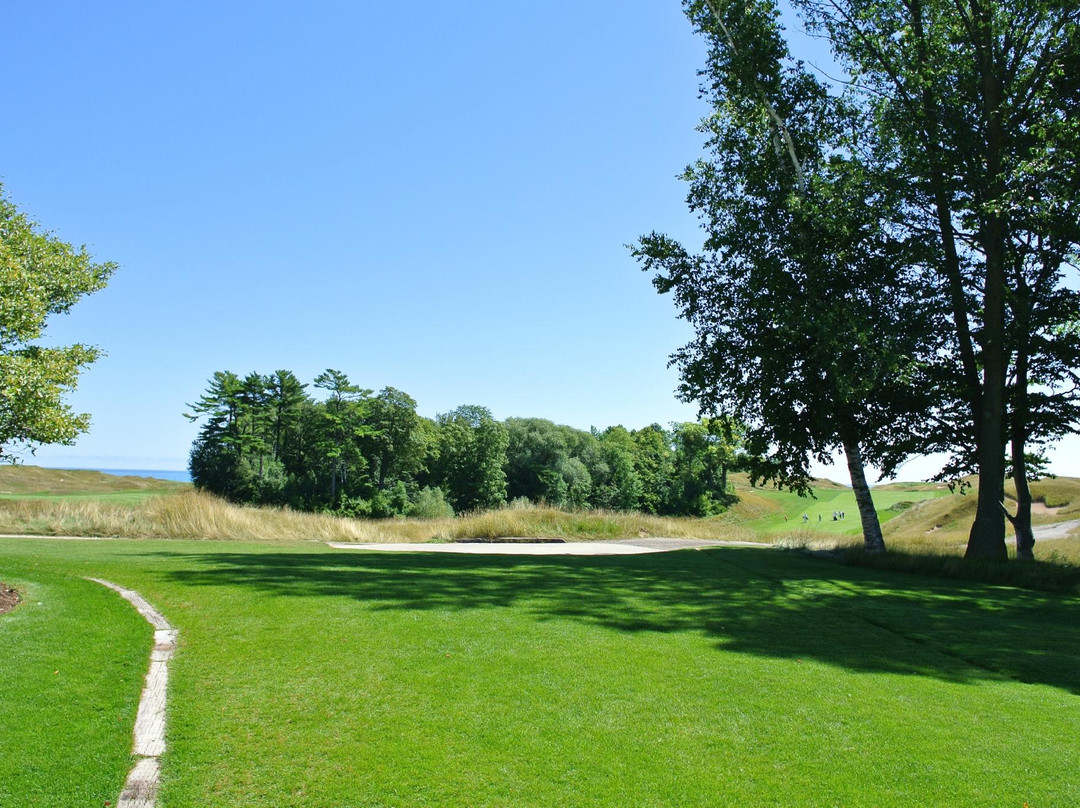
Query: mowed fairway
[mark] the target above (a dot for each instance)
(719, 677)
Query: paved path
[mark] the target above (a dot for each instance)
(140, 790)
(512, 546)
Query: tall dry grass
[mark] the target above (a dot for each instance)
(197, 515)
(190, 515)
(545, 522)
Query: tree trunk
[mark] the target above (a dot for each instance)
(987, 539)
(873, 541)
(1025, 537)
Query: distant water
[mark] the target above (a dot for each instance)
(160, 474)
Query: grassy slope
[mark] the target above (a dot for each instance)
(768, 511)
(19, 482)
(948, 520)
(919, 517)
(693, 678)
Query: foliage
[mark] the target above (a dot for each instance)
(704, 454)
(809, 321)
(979, 102)
(264, 440)
(430, 504)
(884, 266)
(40, 276)
(469, 456)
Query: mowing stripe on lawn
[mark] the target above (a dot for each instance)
(140, 789)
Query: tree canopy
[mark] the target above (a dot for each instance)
(40, 276)
(979, 102)
(809, 318)
(884, 258)
(263, 439)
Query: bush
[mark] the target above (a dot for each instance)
(353, 508)
(430, 503)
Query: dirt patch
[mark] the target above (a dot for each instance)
(9, 598)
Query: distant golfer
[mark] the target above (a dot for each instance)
(805, 518)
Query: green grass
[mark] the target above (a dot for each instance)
(74, 656)
(719, 677)
(767, 511)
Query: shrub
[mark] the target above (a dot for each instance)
(430, 503)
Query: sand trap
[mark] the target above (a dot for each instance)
(504, 548)
(581, 548)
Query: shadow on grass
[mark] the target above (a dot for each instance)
(760, 602)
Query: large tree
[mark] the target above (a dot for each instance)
(342, 426)
(809, 322)
(40, 276)
(981, 100)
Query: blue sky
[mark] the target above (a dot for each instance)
(430, 196)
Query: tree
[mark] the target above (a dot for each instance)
(981, 101)
(620, 488)
(40, 276)
(286, 398)
(469, 457)
(342, 424)
(536, 455)
(704, 454)
(395, 445)
(809, 323)
(216, 459)
(653, 467)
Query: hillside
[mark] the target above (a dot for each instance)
(915, 516)
(1055, 500)
(23, 480)
(767, 510)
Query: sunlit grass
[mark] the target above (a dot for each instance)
(74, 657)
(719, 677)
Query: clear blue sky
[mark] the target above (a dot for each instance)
(431, 196)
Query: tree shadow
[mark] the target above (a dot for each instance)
(760, 602)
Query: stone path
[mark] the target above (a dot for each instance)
(140, 790)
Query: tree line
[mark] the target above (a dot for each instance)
(268, 439)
